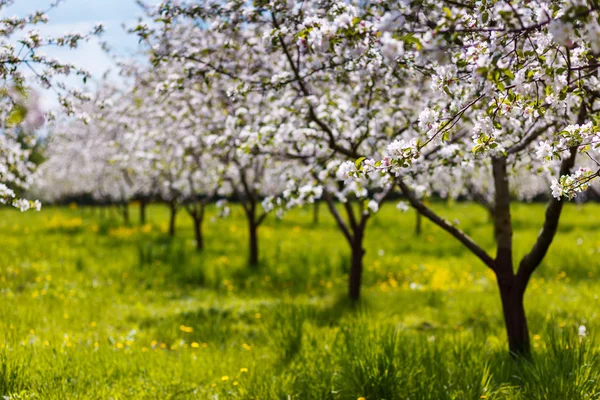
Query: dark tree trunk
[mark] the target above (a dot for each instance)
(125, 212)
(316, 213)
(515, 319)
(198, 232)
(356, 267)
(253, 231)
(512, 288)
(172, 219)
(418, 225)
(491, 215)
(143, 205)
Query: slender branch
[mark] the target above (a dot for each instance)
(532, 260)
(527, 140)
(338, 218)
(447, 226)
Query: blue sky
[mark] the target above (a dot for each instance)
(81, 16)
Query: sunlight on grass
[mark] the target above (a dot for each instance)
(94, 309)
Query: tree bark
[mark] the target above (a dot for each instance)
(418, 224)
(143, 205)
(253, 232)
(503, 220)
(172, 219)
(517, 332)
(356, 267)
(125, 213)
(512, 288)
(198, 232)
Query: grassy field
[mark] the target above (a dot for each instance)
(90, 308)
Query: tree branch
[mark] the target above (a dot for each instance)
(338, 218)
(532, 260)
(447, 226)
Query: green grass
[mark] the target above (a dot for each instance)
(92, 309)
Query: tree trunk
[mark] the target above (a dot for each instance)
(515, 319)
(356, 267)
(253, 231)
(143, 212)
(418, 225)
(512, 287)
(125, 212)
(316, 213)
(198, 232)
(491, 215)
(172, 219)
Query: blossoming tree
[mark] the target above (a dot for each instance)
(23, 64)
(513, 79)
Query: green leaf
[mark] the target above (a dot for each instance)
(16, 116)
(359, 162)
(485, 17)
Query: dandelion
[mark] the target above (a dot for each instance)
(225, 378)
(195, 345)
(186, 329)
(257, 315)
(235, 383)
(243, 370)
(362, 398)
(536, 337)
(93, 324)
(46, 343)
